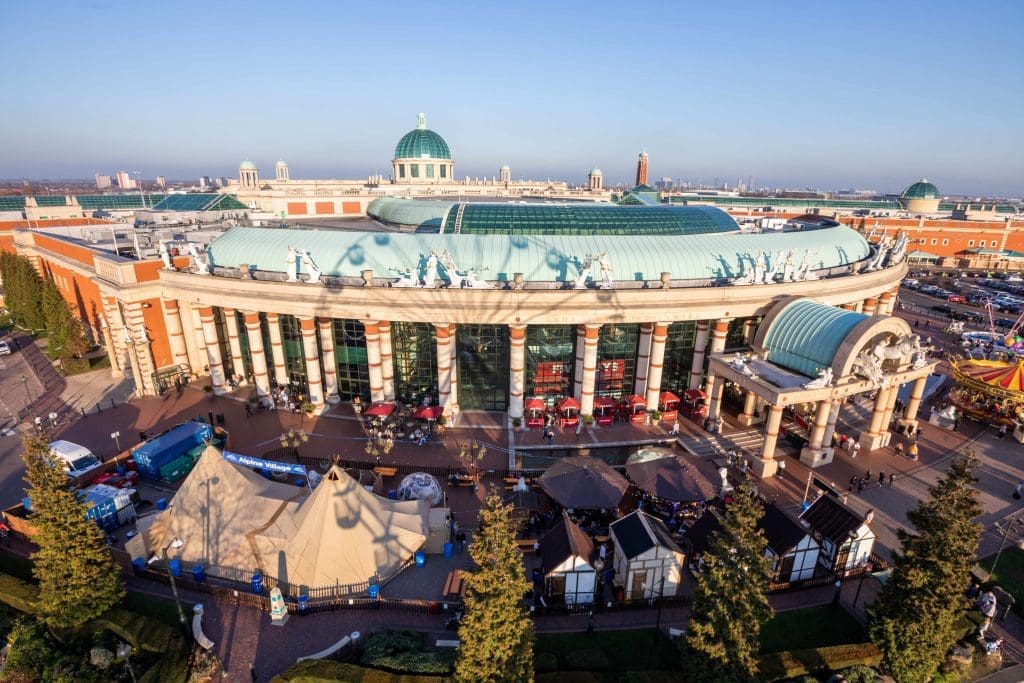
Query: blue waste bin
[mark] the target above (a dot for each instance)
(120, 469)
(300, 482)
(139, 564)
(175, 566)
(374, 591)
(421, 558)
(393, 494)
(257, 583)
(198, 574)
(538, 577)
(303, 604)
(448, 549)
(161, 503)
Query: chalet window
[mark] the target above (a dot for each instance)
(786, 568)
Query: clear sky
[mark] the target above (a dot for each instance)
(819, 94)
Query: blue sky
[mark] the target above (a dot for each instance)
(819, 94)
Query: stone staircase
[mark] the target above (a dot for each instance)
(716, 445)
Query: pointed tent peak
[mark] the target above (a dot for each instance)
(421, 121)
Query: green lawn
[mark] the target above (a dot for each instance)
(16, 565)
(800, 629)
(1009, 574)
(608, 650)
(161, 609)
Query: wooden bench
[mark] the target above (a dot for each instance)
(525, 545)
(454, 586)
(385, 471)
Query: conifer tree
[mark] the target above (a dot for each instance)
(65, 334)
(22, 291)
(914, 619)
(496, 632)
(78, 580)
(730, 604)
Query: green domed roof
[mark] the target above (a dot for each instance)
(421, 143)
(247, 166)
(922, 189)
(281, 162)
(595, 171)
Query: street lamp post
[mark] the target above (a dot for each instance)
(1011, 524)
(175, 543)
(28, 395)
(116, 436)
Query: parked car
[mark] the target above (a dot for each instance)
(5, 348)
(944, 309)
(1004, 322)
(956, 298)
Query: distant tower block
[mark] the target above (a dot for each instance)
(281, 170)
(641, 169)
(248, 174)
(595, 179)
(505, 174)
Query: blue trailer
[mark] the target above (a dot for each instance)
(154, 454)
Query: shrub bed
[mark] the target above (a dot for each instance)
(18, 594)
(404, 652)
(327, 671)
(783, 665)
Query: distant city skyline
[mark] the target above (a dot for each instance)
(874, 95)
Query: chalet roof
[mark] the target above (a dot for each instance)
(832, 519)
(565, 540)
(638, 532)
(783, 532)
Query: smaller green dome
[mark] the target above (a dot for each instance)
(280, 162)
(422, 143)
(595, 171)
(247, 166)
(922, 189)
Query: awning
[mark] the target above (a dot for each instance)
(662, 473)
(427, 412)
(695, 395)
(667, 396)
(584, 482)
(380, 410)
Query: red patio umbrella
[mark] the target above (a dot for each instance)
(635, 400)
(535, 404)
(427, 412)
(604, 402)
(380, 410)
(568, 403)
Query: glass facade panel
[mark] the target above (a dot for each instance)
(444, 171)
(616, 360)
(734, 338)
(243, 342)
(350, 355)
(294, 355)
(414, 349)
(401, 170)
(543, 219)
(678, 356)
(222, 342)
(430, 170)
(550, 361)
(483, 366)
(414, 170)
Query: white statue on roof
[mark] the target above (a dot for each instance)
(824, 380)
(881, 251)
(202, 266)
(899, 249)
(451, 270)
(144, 335)
(408, 278)
(165, 255)
(310, 266)
(749, 275)
(769, 276)
(126, 334)
(738, 362)
(292, 264)
(803, 271)
(430, 277)
(581, 279)
(869, 366)
(474, 281)
(606, 270)
(760, 266)
(788, 267)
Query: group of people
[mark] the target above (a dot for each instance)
(858, 484)
(846, 443)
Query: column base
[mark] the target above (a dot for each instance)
(870, 442)
(220, 391)
(907, 426)
(816, 457)
(749, 420)
(764, 468)
(334, 399)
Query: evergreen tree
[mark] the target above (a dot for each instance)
(914, 620)
(78, 580)
(496, 632)
(730, 604)
(64, 331)
(22, 291)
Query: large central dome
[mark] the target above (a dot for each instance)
(421, 143)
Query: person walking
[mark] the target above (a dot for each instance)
(881, 479)
(892, 477)
(1018, 490)
(912, 451)
(987, 605)
(675, 428)
(579, 429)
(248, 410)
(781, 471)
(856, 449)
(898, 450)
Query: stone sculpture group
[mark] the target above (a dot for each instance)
(783, 266)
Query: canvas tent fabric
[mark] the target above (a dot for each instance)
(584, 482)
(233, 520)
(662, 473)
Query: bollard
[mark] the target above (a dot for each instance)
(99, 409)
(112, 404)
(82, 411)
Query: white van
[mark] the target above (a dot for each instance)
(76, 460)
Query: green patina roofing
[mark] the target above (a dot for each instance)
(922, 189)
(417, 213)
(12, 203)
(550, 258)
(115, 201)
(247, 166)
(805, 336)
(51, 200)
(199, 202)
(422, 143)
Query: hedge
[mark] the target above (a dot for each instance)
(18, 594)
(650, 676)
(783, 665)
(329, 671)
(141, 631)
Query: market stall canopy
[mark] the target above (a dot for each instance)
(535, 404)
(662, 473)
(568, 403)
(428, 412)
(584, 482)
(634, 400)
(380, 410)
(995, 374)
(604, 402)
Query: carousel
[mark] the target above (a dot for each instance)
(989, 391)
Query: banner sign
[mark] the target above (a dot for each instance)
(272, 465)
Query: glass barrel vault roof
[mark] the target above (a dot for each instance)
(588, 219)
(805, 336)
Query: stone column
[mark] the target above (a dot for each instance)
(848, 307)
(914, 402)
(749, 415)
(765, 466)
(589, 368)
(581, 336)
(313, 376)
(387, 360)
(196, 357)
(326, 329)
(713, 385)
(870, 305)
(234, 345)
(657, 365)
(833, 417)
(890, 407)
(699, 344)
(213, 350)
(749, 330)
(142, 348)
(175, 334)
(884, 303)
(115, 328)
(877, 434)
(517, 370)
(373, 360)
(277, 349)
(259, 355)
(108, 344)
(643, 360)
(444, 363)
(453, 395)
(197, 327)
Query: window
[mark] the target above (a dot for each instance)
(352, 363)
(550, 358)
(444, 171)
(981, 243)
(970, 243)
(430, 170)
(934, 241)
(401, 170)
(414, 170)
(222, 341)
(679, 356)
(415, 357)
(483, 357)
(243, 344)
(616, 360)
(945, 242)
(294, 354)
